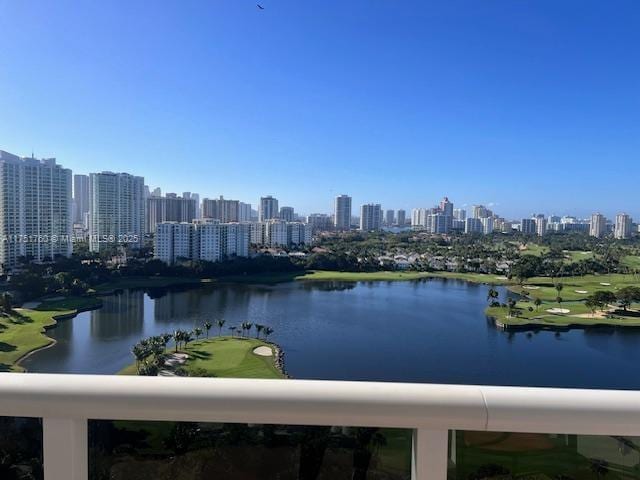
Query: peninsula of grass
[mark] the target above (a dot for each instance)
(226, 357)
(24, 331)
(335, 276)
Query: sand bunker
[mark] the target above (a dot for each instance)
(582, 291)
(531, 287)
(502, 278)
(263, 351)
(558, 310)
(605, 284)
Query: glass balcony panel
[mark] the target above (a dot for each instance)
(198, 451)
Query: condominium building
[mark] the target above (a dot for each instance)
(598, 225)
(276, 233)
(528, 226)
(459, 214)
(226, 211)
(35, 209)
(116, 210)
(623, 226)
(446, 207)
(268, 208)
(480, 211)
(541, 225)
(205, 240)
(487, 225)
(320, 222)
(370, 217)
(299, 233)
(439, 223)
(402, 218)
(196, 198)
(287, 214)
(473, 225)
(244, 212)
(169, 208)
(81, 199)
(342, 212)
(389, 217)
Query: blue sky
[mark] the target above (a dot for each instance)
(529, 105)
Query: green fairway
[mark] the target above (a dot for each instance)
(326, 275)
(226, 357)
(25, 332)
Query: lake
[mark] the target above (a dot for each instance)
(430, 330)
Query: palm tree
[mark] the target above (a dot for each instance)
(140, 353)
(492, 294)
(259, 329)
(197, 332)
(559, 287)
(207, 326)
(248, 326)
(166, 337)
(537, 302)
(187, 337)
(267, 331)
(220, 324)
(177, 337)
(559, 299)
(233, 330)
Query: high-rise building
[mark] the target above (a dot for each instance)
(439, 223)
(169, 208)
(402, 218)
(196, 198)
(36, 204)
(342, 213)
(446, 207)
(598, 225)
(156, 192)
(487, 225)
(480, 211)
(81, 198)
(287, 214)
(244, 212)
(116, 210)
(541, 225)
(268, 208)
(226, 211)
(473, 225)
(459, 214)
(528, 226)
(320, 222)
(623, 226)
(389, 218)
(370, 217)
(173, 241)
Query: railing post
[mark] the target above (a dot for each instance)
(65, 449)
(430, 454)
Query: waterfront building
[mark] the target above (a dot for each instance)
(598, 225)
(623, 226)
(116, 210)
(459, 214)
(389, 218)
(287, 214)
(169, 208)
(342, 213)
(299, 233)
(81, 199)
(370, 217)
(268, 208)
(35, 209)
(446, 207)
(439, 223)
(541, 225)
(258, 233)
(480, 211)
(173, 241)
(402, 218)
(276, 233)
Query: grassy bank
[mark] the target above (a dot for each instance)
(325, 275)
(24, 332)
(225, 357)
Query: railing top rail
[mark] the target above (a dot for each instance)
(312, 402)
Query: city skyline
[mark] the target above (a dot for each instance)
(514, 104)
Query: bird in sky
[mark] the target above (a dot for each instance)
(260, 6)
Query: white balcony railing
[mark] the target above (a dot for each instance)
(66, 402)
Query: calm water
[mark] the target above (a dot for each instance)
(423, 331)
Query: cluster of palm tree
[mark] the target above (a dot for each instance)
(245, 328)
(151, 353)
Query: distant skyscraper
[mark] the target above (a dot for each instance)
(342, 214)
(459, 214)
(473, 225)
(156, 192)
(487, 225)
(370, 217)
(623, 226)
(35, 204)
(116, 210)
(221, 209)
(541, 225)
(598, 225)
(480, 211)
(268, 208)
(170, 208)
(81, 197)
(320, 222)
(446, 207)
(528, 226)
(287, 214)
(244, 212)
(390, 217)
(402, 218)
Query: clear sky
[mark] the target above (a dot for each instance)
(530, 105)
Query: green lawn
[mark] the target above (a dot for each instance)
(325, 275)
(20, 335)
(226, 357)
